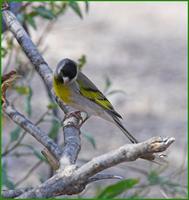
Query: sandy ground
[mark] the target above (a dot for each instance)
(141, 47)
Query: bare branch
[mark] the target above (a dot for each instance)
(72, 143)
(33, 130)
(28, 47)
(128, 152)
(73, 180)
(14, 193)
(46, 74)
(31, 51)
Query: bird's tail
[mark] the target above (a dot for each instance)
(124, 130)
(149, 157)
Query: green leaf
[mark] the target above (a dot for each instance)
(108, 83)
(22, 90)
(153, 178)
(15, 134)
(91, 139)
(58, 8)
(115, 92)
(118, 188)
(54, 129)
(9, 43)
(28, 106)
(20, 17)
(3, 52)
(31, 21)
(86, 6)
(5, 179)
(82, 61)
(35, 152)
(44, 12)
(52, 106)
(75, 7)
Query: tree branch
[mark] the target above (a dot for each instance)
(72, 142)
(46, 74)
(69, 178)
(128, 152)
(73, 181)
(28, 47)
(33, 130)
(31, 52)
(14, 193)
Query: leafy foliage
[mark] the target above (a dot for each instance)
(75, 7)
(43, 12)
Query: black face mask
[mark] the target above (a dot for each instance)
(69, 70)
(66, 68)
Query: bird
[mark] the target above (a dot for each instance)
(78, 91)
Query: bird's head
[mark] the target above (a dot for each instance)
(66, 71)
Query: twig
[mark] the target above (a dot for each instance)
(23, 135)
(25, 154)
(29, 173)
(7, 151)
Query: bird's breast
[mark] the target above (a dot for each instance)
(62, 91)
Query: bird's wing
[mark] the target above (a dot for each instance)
(91, 92)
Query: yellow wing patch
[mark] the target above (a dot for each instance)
(97, 97)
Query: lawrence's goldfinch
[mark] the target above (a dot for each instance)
(76, 90)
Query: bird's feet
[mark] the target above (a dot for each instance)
(80, 116)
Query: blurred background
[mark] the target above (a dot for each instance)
(136, 53)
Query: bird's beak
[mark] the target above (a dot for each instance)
(66, 80)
